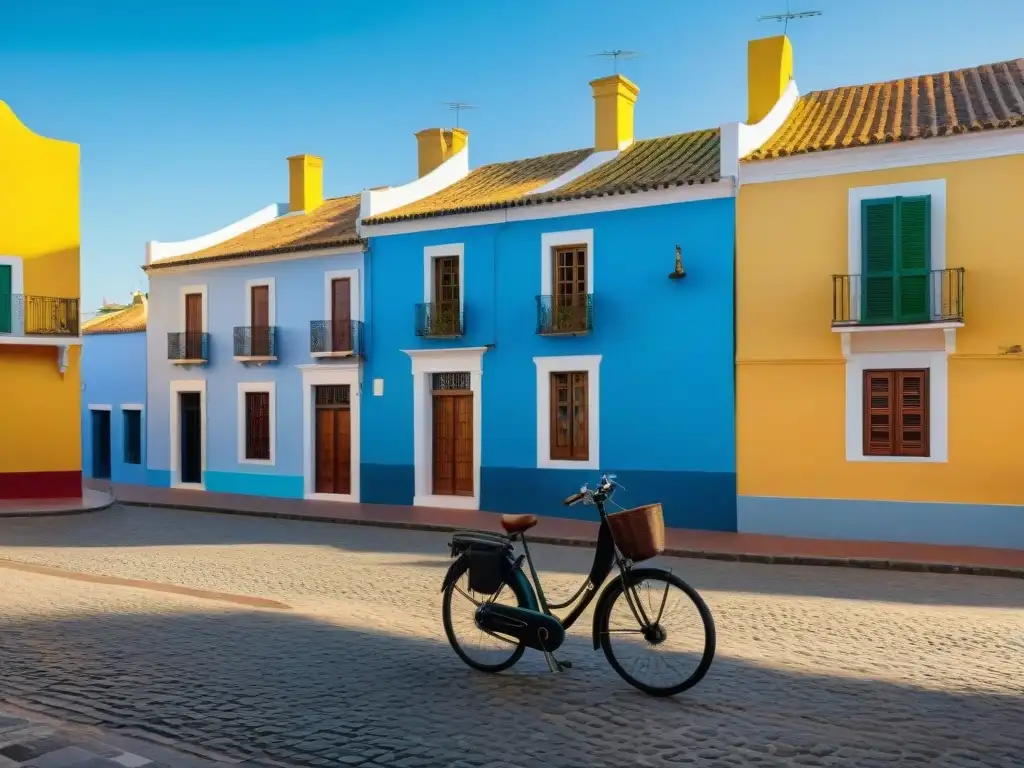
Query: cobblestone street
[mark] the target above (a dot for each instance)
(815, 666)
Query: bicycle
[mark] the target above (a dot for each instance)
(625, 538)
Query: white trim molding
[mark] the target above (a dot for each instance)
(740, 139)
(177, 387)
(681, 194)
(132, 407)
(355, 287)
(433, 252)
(936, 363)
(17, 266)
(185, 291)
(590, 163)
(425, 362)
(95, 407)
(330, 375)
(376, 202)
(591, 365)
(551, 240)
(901, 154)
(244, 388)
(157, 251)
(271, 300)
(933, 188)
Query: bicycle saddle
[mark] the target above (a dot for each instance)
(518, 523)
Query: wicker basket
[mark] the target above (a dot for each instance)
(639, 533)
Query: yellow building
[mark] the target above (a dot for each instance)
(40, 453)
(880, 320)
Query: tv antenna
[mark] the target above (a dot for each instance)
(787, 16)
(457, 107)
(615, 55)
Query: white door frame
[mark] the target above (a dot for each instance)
(425, 362)
(177, 387)
(315, 375)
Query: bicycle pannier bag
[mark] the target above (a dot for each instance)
(487, 569)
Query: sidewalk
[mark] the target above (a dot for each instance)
(714, 545)
(36, 741)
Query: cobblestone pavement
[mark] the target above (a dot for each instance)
(816, 666)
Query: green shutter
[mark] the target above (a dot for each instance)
(6, 302)
(878, 268)
(914, 260)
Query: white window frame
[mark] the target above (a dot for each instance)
(591, 365)
(247, 387)
(937, 365)
(933, 188)
(355, 293)
(430, 255)
(95, 407)
(424, 363)
(551, 240)
(316, 375)
(271, 300)
(186, 290)
(177, 386)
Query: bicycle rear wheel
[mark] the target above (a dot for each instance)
(652, 621)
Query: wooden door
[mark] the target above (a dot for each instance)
(341, 315)
(445, 319)
(333, 449)
(194, 326)
(259, 323)
(570, 284)
(453, 443)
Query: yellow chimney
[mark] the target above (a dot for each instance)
(305, 183)
(614, 98)
(769, 70)
(435, 145)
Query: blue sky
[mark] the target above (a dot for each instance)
(186, 110)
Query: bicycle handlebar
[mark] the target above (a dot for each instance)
(605, 488)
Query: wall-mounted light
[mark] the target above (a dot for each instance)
(678, 273)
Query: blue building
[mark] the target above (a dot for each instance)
(114, 394)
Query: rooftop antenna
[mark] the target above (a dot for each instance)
(785, 17)
(457, 107)
(615, 55)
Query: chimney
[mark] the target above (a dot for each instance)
(436, 145)
(769, 70)
(305, 183)
(614, 98)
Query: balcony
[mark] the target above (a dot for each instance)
(439, 321)
(928, 299)
(336, 338)
(188, 348)
(565, 315)
(38, 317)
(255, 344)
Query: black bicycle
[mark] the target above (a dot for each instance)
(487, 569)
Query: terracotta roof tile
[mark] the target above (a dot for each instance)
(331, 225)
(686, 158)
(982, 98)
(130, 320)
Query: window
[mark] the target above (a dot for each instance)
(570, 418)
(257, 426)
(444, 314)
(896, 419)
(569, 283)
(896, 260)
(194, 323)
(132, 436)
(259, 320)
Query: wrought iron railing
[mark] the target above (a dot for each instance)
(26, 315)
(338, 337)
(439, 321)
(188, 345)
(255, 341)
(932, 297)
(573, 314)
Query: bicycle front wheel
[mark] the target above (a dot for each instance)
(657, 632)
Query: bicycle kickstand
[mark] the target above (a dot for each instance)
(554, 665)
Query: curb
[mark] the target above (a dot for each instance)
(908, 566)
(111, 501)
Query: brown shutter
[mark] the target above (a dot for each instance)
(580, 416)
(257, 427)
(570, 418)
(912, 421)
(879, 413)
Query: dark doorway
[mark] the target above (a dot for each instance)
(101, 445)
(191, 438)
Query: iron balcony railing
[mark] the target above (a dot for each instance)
(930, 297)
(336, 337)
(439, 321)
(188, 345)
(572, 314)
(25, 315)
(255, 341)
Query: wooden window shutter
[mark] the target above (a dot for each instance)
(879, 413)
(570, 416)
(914, 259)
(912, 421)
(257, 425)
(878, 260)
